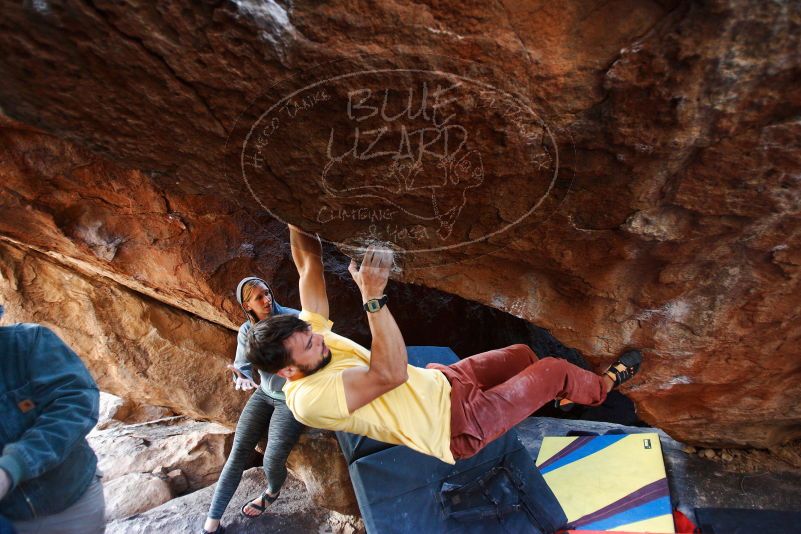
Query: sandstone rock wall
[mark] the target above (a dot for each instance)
(678, 221)
(135, 347)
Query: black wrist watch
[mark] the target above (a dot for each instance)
(373, 305)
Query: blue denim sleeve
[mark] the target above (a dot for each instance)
(67, 401)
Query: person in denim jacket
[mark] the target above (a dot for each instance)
(49, 403)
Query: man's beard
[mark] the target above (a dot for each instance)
(309, 370)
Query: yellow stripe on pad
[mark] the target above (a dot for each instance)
(593, 482)
(551, 446)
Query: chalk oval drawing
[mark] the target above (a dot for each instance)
(425, 159)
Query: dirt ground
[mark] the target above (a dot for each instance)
(785, 458)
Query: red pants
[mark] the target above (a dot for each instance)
(493, 391)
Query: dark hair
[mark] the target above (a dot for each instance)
(265, 345)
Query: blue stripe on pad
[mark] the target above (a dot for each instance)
(596, 444)
(649, 510)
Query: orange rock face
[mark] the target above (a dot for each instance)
(627, 176)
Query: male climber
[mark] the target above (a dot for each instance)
(450, 412)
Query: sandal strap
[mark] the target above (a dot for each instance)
(258, 507)
(618, 376)
(265, 499)
(631, 364)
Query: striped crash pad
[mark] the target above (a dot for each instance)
(615, 482)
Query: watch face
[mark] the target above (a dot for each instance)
(373, 305)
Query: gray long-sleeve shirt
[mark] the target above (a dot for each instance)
(271, 384)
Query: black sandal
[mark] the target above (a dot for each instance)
(564, 405)
(265, 499)
(220, 530)
(630, 360)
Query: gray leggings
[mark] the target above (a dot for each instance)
(260, 414)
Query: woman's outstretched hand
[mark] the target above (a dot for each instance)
(241, 382)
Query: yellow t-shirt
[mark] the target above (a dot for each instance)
(416, 414)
